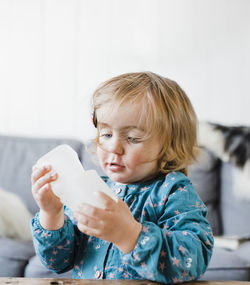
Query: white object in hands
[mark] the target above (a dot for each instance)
(73, 185)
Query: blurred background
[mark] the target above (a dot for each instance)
(54, 53)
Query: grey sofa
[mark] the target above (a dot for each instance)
(211, 177)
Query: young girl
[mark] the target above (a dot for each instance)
(158, 228)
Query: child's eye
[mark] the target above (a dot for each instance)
(133, 140)
(107, 136)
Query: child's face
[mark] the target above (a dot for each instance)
(123, 154)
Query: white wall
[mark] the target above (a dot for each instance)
(54, 53)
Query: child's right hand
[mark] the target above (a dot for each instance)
(46, 200)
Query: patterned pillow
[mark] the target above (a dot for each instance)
(231, 144)
(205, 176)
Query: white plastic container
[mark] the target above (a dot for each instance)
(73, 185)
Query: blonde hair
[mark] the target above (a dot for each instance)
(165, 110)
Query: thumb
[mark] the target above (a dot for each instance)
(104, 200)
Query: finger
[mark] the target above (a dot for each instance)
(39, 172)
(90, 211)
(42, 192)
(47, 178)
(89, 222)
(88, 231)
(46, 192)
(105, 200)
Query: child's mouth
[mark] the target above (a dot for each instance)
(115, 167)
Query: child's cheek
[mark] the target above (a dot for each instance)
(100, 154)
(135, 158)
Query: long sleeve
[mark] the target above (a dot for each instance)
(177, 245)
(56, 249)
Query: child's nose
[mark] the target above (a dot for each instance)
(116, 146)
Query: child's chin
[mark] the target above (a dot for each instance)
(118, 179)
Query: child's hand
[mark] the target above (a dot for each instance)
(50, 205)
(115, 223)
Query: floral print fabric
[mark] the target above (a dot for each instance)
(175, 244)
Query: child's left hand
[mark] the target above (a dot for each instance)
(115, 223)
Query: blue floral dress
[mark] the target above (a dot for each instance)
(175, 244)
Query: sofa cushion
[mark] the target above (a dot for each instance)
(234, 208)
(14, 256)
(35, 269)
(205, 176)
(18, 155)
(244, 252)
(227, 265)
